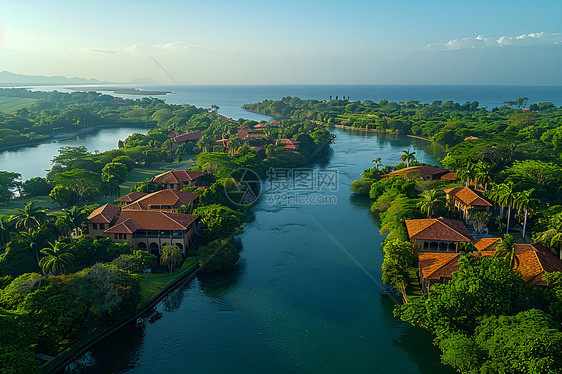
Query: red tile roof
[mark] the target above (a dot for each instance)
(223, 142)
(438, 265)
(177, 176)
(275, 123)
(423, 171)
(534, 260)
(129, 198)
(442, 229)
(467, 196)
(104, 214)
(450, 176)
(173, 198)
(133, 220)
(188, 136)
(486, 244)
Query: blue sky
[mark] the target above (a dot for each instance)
(289, 42)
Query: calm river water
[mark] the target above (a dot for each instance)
(305, 297)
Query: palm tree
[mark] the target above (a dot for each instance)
(171, 257)
(6, 229)
(482, 176)
(523, 202)
(506, 249)
(377, 161)
(408, 157)
(77, 217)
(31, 217)
(507, 196)
(34, 240)
(494, 194)
(56, 261)
(431, 201)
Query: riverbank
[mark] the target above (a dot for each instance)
(179, 278)
(72, 134)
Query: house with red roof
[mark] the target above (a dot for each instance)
(184, 138)
(463, 199)
(152, 229)
(437, 234)
(164, 200)
(178, 179)
(101, 219)
(288, 144)
(129, 198)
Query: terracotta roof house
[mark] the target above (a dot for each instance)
(471, 138)
(486, 244)
(164, 200)
(151, 230)
(424, 172)
(178, 179)
(533, 260)
(275, 123)
(463, 199)
(450, 176)
(173, 134)
(183, 138)
(437, 234)
(129, 198)
(101, 219)
(288, 144)
(436, 268)
(220, 145)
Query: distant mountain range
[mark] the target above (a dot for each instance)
(11, 79)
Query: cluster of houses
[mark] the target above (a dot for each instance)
(148, 221)
(438, 241)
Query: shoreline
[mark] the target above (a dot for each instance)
(63, 359)
(67, 135)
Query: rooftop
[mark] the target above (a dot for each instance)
(441, 229)
(177, 176)
(173, 198)
(129, 198)
(104, 214)
(133, 220)
(423, 171)
(467, 196)
(188, 136)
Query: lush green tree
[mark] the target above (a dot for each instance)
(30, 217)
(523, 202)
(125, 160)
(138, 262)
(85, 183)
(218, 254)
(219, 221)
(407, 157)
(56, 259)
(432, 201)
(507, 198)
(114, 173)
(68, 154)
(5, 195)
(19, 258)
(398, 256)
(37, 187)
(56, 316)
(17, 339)
(171, 257)
(63, 196)
(9, 179)
(76, 217)
(506, 249)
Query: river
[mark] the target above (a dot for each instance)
(35, 160)
(305, 297)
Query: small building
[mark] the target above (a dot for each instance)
(178, 179)
(437, 234)
(532, 261)
(275, 123)
(450, 176)
(436, 268)
(463, 199)
(151, 230)
(129, 198)
(101, 219)
(288, 144)
(184, 138)
(428, 173)
(164, 200)
(486, 244)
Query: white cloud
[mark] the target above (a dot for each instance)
(535, 38)
(168, 48)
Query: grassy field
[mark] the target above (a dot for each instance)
(43, 201)
(11, 104)
(157, 282)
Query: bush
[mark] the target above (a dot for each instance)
(218, 254)
(138, 262)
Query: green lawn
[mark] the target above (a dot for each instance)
(43, 201)
(413, 289)
(157, 282)
(11, 104)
